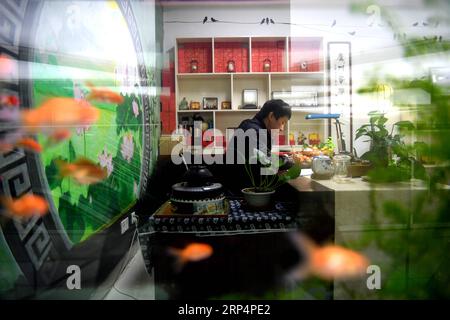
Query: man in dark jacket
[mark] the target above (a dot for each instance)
(273, 116)
(254, 133)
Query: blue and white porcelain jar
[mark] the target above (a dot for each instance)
(322, 166)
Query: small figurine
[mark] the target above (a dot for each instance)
(266, 65)
(231, 66)
(301, 139)
(304, 66)
(183, 104)
(194, 65)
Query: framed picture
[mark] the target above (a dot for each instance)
(195, 105)
(250, 97)
(340, 84)
(226, 105)
(210, 103)
(297, 99)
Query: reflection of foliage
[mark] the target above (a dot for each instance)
(428, 266)
(384, 145)
(419, 252)
(426, 248)
(416, 47)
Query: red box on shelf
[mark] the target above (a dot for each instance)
(199, 51)
(304, 55)
(233, 50)
(273, 50)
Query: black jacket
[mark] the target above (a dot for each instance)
(261, 138)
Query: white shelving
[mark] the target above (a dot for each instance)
(229, 86)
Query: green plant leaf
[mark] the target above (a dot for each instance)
(52, 173)
(293, 172)
(72, 154)
(406, 125)
(381, 121)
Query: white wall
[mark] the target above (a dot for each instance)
(245, 12)
(374, 48)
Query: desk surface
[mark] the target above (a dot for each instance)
(306, 184)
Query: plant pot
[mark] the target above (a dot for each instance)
(257, 199)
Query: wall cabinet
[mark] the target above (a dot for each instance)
(276, 67)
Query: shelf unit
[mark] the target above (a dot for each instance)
(296, 65)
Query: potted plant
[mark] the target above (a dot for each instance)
(391, 158)
(259, 194)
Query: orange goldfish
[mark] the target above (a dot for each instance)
(60, 112)
(30, 144)
(329, 262)
(333, 261)
(83, 170)
(103, 94)
(191, 253)
(26, 206)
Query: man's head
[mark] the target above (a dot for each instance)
(275, 114)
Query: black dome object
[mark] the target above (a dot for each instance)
(197, 193)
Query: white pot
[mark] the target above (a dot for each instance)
(257, 199)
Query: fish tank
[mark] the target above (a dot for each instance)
(72, 47)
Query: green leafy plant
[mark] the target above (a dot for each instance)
(392, 158)
(329, 144)
(266, 183)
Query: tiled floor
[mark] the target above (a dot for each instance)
(133, 283)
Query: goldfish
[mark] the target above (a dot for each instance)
(83, 170)
(330, 261)
(103, 94)
(334, 261)
(30, 144)
(26, 206)
(191, 253)
(59, 112)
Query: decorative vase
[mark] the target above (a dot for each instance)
(257, 200)
(322, 167)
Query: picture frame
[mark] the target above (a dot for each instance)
(226, 105)
(298, 99)
(194, 105)
(210, 103)
(340, 84)
(250, 97)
